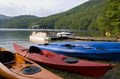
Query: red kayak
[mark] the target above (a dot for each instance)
(51, 59)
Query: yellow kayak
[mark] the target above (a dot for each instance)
(15, 66)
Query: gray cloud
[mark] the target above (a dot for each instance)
(36, 7)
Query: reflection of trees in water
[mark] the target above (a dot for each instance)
(26, 34)
(89, 33)
(14, 34)
(7, 38)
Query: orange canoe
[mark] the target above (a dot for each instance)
(15, 66)
(51, 59)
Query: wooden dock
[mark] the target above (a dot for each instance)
(59, 38)
(94, 38)
(109, 39)
(118, 38)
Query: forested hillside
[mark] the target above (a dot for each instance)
(4, 17)
(103, 15)
(109, 21)
(22, 21)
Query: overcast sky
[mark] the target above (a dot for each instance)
(36, 7)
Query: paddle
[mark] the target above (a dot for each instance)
(68, 46)
(44, 44)
(82, 46)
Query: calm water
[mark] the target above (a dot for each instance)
(7, 38)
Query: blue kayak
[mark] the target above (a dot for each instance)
(89, 50)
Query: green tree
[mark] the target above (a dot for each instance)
(110, 20)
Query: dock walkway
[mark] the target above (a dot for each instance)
(89, 38)
(94, 38)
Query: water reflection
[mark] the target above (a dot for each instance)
(7, 38)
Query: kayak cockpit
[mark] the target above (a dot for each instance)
(7, 57)
(33, 49)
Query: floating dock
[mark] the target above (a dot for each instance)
(88, 38)
(94, 38)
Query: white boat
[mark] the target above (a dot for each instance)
(39, 37)
(65, 34)
(46, 37)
